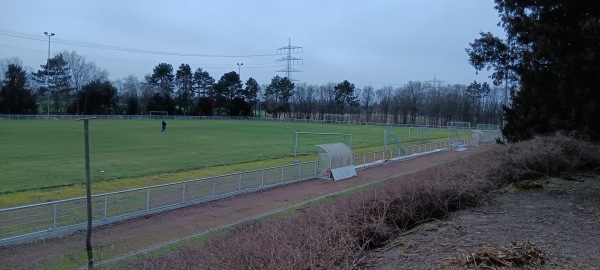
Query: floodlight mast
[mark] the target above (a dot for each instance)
(240, 70)
(49, 35)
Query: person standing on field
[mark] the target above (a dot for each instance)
(164, 126)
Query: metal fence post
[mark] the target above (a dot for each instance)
(240, 183)
(262, 177)
(214, 186)
(147, 199)
(183, 193)
(54, 210)
(105, 207)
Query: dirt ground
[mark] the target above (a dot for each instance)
(561, 219)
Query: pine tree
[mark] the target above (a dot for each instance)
(551, 53)
(55, 78)
(14, 96)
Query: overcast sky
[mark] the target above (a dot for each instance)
(365, 42)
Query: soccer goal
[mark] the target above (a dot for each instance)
(304, 143)
(458, 130)
(463, 125)
(391, 142)
(337, 118)
(487, 127)
(484, 133)
(453, 134)
(158, 114)
(418, 134)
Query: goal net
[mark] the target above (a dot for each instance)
(486, 133)
(418, 134)
(487, 127)
(337, 118)
(391, 141)
(304, 143)
(158, 114)
(463, 125)
(458, 130)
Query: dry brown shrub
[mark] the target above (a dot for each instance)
(336, 235)
(543, 157)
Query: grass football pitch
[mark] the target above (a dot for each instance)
(41, 154)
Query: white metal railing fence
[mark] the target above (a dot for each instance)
(19, 224)
(180, 117)
(363, 159)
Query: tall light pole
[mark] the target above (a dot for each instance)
(47, 71)
(240, 70)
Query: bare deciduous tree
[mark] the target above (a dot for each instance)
(367, 99)
(385, 102)
(82, 72)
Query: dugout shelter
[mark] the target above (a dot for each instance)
(336, 161)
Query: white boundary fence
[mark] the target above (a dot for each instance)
(30, 222)
(180, 117)
(365, 159)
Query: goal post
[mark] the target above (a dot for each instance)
(462, 125)
(157, 114)
(488, 132)
(305, 142)
(391, 141)
(458, 130)
(337, 118)
(487, 127)
(453, 133)
(418, 134)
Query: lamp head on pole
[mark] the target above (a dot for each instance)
(49, 34)
(239, 69)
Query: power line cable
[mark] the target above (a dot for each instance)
(131, 50)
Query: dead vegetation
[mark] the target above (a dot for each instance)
(516, 256)
(336, 235)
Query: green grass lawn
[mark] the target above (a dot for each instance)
(41, 154)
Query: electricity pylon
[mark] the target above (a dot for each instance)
(289, 59)
(435, 82)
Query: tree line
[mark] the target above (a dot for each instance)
(69, 84)
(548, 65)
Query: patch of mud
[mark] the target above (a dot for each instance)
(562, 220)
